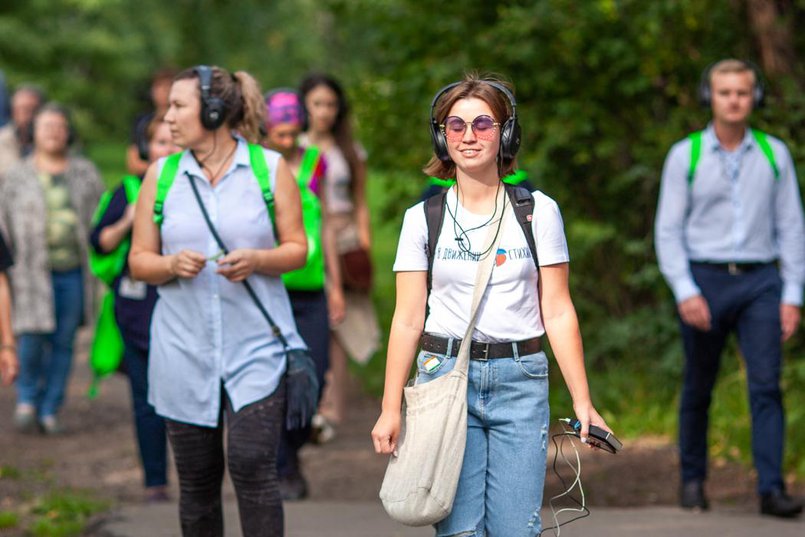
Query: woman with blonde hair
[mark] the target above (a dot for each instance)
(213, 359)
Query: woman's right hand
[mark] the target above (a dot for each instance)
(386, 433)
(187, 264)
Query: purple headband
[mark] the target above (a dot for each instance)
(283, 107)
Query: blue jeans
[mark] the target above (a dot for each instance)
(46, 359)
(503, 474)
(151, 437)
(749, 305)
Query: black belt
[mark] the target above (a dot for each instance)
(481, 351)
(732, 268)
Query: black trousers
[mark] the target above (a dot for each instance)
(313, 322)
(252, 438)
(749, 305)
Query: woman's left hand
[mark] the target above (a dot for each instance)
(238, 265)
(9, 365)
(336, 306)
(587, 415)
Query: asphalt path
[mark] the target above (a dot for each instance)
(367, 519)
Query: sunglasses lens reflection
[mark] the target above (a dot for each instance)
(482, 126)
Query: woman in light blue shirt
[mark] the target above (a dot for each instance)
(213, 358)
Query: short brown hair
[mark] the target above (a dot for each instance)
(472, 86)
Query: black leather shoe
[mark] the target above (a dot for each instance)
(691, 496)
(780, 504)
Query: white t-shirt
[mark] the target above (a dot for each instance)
(509, 310)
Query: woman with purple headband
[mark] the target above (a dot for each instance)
(312, 295)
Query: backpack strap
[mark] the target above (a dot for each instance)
(695, 153)
(434, 216)
(763, 142)
(131, 186)
(310, 160)
(760, 137)
(523, 204)
(257, 160)
(164, 182)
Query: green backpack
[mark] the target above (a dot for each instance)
(311, 276)
(108, 266)
(696, 152)
(106, 351)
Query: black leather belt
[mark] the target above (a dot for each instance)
(481, 351)
(733, 268)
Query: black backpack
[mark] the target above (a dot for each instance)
(521, 200)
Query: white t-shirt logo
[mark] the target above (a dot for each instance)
(500, 258)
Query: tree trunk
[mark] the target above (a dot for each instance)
(774, 33)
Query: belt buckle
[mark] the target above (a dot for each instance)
(733, 269)
(484, 352)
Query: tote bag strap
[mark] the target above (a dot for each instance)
(482, 278)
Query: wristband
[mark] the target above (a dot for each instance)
(8, 346)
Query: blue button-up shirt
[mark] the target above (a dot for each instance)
(735, 210)
(206, 331)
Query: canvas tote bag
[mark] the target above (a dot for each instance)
(420, 482)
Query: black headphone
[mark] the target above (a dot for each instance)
(213, 109)
(758, 91)
(509, 132)
(141, 136)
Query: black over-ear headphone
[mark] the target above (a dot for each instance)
(141, 136)
(758, 91)
(213, 109)
(509, 132)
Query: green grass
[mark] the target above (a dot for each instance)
(8, 520)
(9, 472)
(64, 513)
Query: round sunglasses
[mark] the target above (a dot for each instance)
(483, 126)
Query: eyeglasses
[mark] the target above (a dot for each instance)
(483, 126)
